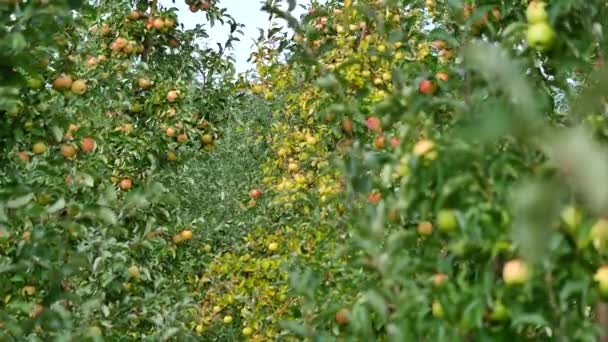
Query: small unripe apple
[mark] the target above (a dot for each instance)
(500, 312)
(171, 156)
(227, 319)
(247, 331)
(207, 139)
(572, 217)
(601, 277)
(273, 246)
(536, 12)
(134, 272)
(293, 167)
(437, 309)
(599, 235)
(516, 272)
(446, 220)
(39, 148)
(540, 36)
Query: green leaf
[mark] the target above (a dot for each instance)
(57, 206)
(19, 201)
(107, 215)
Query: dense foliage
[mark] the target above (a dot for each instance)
(391, 170)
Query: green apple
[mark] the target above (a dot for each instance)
(536, 12)
(446, 220)
(540, 36)
(500, 312)
(601, 277)
(516, 272)
(599, 235)
(572, 217)
(437, 309)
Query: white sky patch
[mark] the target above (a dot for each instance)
(247, 12)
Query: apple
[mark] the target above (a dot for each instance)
(87, 145)
(395, 142)
(227, 319)
(425, 228)
(379, 142)
(172, 95)
(68, 151)
(273, 247)
(247, 331)
(170, 132)
(171, 156)
(374, 124)
(347, 125)
(427, 87)
(516, 272)
(23, 156)
(599, 235)
(437, 309)
(255, 193)
(439, 279)
(601, 277)
(540, 36)
(293, 167)
(423, 147)
(133, 272)
(62, 82)
(374, 197)
(572, 217)
(182, 138)
(536, 12)
(134, 15)
(500, 312)
(144, 83)
(126, 184)
(442, 76)
(342, 316)
(446, 220)
(186, 235)
(158, 23)
(207, 139)
(79, 87)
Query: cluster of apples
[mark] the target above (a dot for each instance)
(540, 35)
(66, 82)
(162, 24)
(196, 5)
(126, 46)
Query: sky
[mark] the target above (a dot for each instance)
(247, 12)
